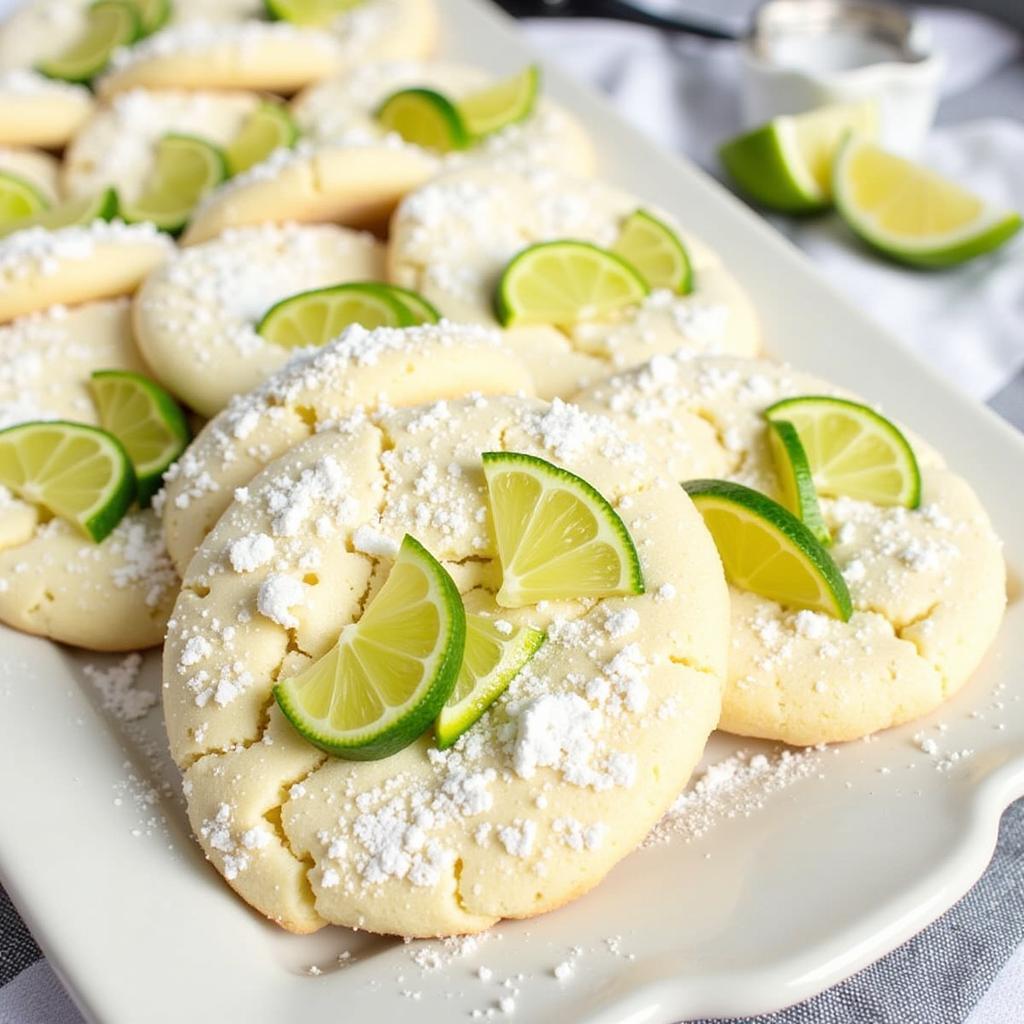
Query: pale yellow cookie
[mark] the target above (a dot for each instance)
(451, 240)
(928, 585)
(41, 268)
(343, 110)
(38, 111)
(558, 781)
(360, 371)
(38, 169)
(196, 316)
(111, 596)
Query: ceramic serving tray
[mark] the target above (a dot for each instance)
(784, 874)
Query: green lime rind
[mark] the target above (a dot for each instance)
(642, 237)
(96, 520)
(549, 474)
(406, 724)
(796, 481)
(788, 533)
(424, 117)
(111, 24)
(422, 311)
(462, 710)
(71, 213)
(153, 14)
(511, 314)
(501, 105)
(308, 14)
(268, 128)
(802, 409)
(19, 199)
(369, 303)
(158, 408)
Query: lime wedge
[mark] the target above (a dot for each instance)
(147, 421)
(424, 118)
(564, 282)
(421, 311)
(765, 549)
(796, 482)
(318, 316)
(506, 102)
(109, 24)
(656, 252)
(308, 13)
(267, 128)
(852, 450)
(186, 168)
(153, 14)
(491, 661)
(79, 473)
(787, 164)
(19, 199)
(913, 215)
(73, 213)
(557, 537)
(388, 676)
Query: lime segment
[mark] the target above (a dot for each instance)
(765, 549)
(153, 14)
(796, 482)
(318, 316)
(421, 311)
(77, 472)
(498, 106)
(146, 420)
(656, 252)
(557, 537)
(425, 118)
(564, 282)
(787, 164)
(73, 213)
(853, 450)
(911, 213)
(308, 13)
(267, 128)
(109, 24)
(492, 659)
(388, 676)
(19, 199)
(186, 168)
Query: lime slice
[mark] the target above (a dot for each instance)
(153, 14)
(557, 537)
(425, 118)
(852, 450)
(267, 128)
(69, 214)
(318, 316)
(491, 661)
(562, 283)
(146, 420)
(796, 482)
(19, 199)
(787, 164)
(79, 473)
(912, 214)
(765, 549)
(186, 168)
(421, 311)
(507, 102)
(386, 679)
(309, 13)
(109, 24)
(656, 252)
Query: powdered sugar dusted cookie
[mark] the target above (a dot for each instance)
(41, 268)
(111, 596)
(274, 55)
(37, 168)
(196, 316)
(359, 372)
(343, 110)
(38, 111)
(452, 238)
(558, 781)
(928, 585)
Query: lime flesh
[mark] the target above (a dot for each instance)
(796, 481)
(268, 128)
(425, 118)
(109, 24)
(19, 199)
(656, 252)
(309, 13)
(72, 213)
(498, 106)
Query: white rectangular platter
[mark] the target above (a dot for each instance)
(781, 894)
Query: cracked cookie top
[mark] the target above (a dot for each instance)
(562, 777)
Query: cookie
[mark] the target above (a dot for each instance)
(196, 316)
(360, 371)
(451, 240)
(560, 779)
(39, 169)
(38, 111)
(111, 596)
(928, 584)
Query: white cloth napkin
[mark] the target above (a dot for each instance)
(683, 91)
